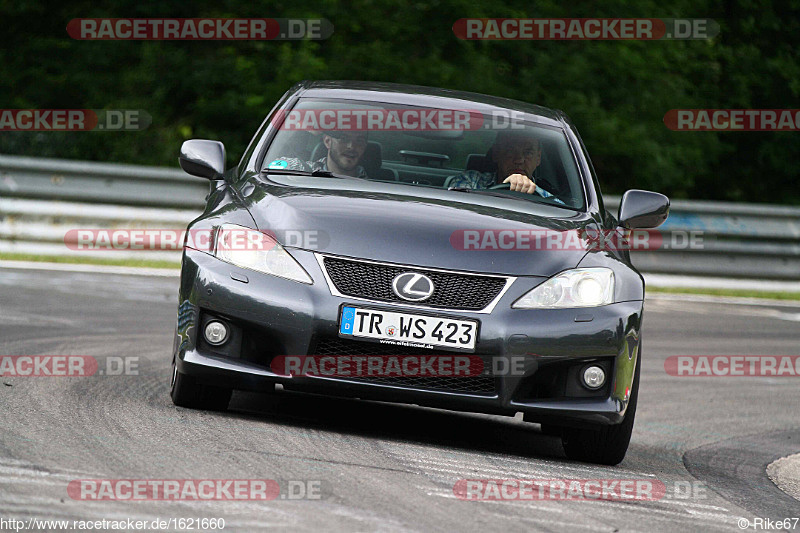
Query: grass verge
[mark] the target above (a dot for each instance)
(735, 293)
(140, 263)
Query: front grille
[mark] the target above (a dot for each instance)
(374, 282)
(483, 385)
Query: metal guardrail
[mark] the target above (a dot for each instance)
(39, 227)
(83, 181)
(42, 199)
(733, 240)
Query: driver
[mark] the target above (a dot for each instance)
(516, 154)
(345, 150)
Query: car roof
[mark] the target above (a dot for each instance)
(396, 93)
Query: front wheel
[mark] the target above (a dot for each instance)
(606, 445)
(187, 392)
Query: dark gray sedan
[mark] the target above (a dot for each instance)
(416, 245)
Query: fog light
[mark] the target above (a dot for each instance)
(216, 333)
(593, 377)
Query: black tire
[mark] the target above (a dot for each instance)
(187, 392)
(605, 445)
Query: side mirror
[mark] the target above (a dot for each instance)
(643, 209)
(205, 159)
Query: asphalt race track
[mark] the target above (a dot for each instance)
(375, 466)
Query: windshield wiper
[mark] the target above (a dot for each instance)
(481, 191)
(319, 173)
(329, 174)
(284, 171)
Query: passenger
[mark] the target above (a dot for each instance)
(345, 150)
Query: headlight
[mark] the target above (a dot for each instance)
(580, 287)
(249, 248)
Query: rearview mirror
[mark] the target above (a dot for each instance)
(202, 158)
(643, 209)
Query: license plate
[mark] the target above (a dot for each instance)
(406, 329)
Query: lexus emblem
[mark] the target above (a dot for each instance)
(412, 286)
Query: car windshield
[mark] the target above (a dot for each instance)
(460, 150)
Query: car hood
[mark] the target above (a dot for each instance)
(407, 224)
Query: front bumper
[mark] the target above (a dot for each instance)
(273, 316)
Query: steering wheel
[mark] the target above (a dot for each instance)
(507, 186)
